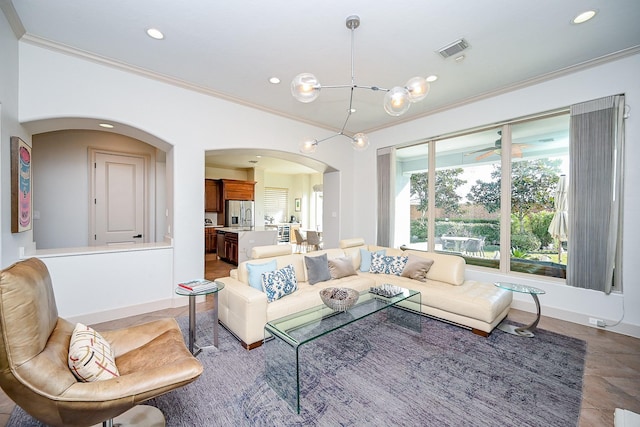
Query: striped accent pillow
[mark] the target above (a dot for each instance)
(90, 355)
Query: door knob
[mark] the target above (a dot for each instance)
(138, 236)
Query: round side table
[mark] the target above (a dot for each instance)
(193, 346)
(522, 331)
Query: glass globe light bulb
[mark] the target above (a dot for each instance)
(418, 89)
(396, 101)
(360, 141)
(305, 87)
(308, 146)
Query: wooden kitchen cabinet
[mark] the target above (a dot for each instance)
(238, 190)
(212, 202)
(210, 240)
(233, 189)
(231, 247)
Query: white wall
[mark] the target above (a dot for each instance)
(57, 85)
(61, 184)
(77, 286)
(10, 244)
(607, 79)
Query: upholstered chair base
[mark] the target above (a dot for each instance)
(139, 415)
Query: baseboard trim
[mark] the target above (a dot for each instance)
(579, 318)
(132, 310)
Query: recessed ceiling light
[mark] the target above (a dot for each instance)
(154, 33)
(460, 58)
(584, 16)
(432, 78)
(106, 125)
(274, 80)
(258, 156)
(352, 110)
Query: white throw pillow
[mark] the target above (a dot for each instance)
(90, 355)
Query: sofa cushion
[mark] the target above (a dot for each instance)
(446, 268)
(255, 272)
(417, 267)
(90, 355)
(279, 283)
(269, 251)
(341, 267)
(317, 269)
(351, 243)
(365, 258)
(387, 264)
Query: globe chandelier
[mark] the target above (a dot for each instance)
(306, 88)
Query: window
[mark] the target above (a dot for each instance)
(472, 213)
(539, 164)
(276, 204)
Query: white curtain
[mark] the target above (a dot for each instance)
(595, 194)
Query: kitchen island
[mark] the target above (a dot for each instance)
(235, 243)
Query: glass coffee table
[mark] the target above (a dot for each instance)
(523, 331)
(285, 337)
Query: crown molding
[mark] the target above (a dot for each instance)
(520, 85)
(79, 53)
(12, 16)
(68, 50)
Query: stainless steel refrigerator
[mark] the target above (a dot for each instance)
(239, 213)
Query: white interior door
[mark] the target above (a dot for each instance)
(119, 199)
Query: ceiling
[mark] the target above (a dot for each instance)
(231, 49)
(280, 162)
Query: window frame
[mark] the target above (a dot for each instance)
(504, 266)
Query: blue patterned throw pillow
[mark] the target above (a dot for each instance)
(279, 283)
(387, 264)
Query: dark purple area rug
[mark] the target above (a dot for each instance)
(377, 373)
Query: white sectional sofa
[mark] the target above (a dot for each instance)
(446, 295)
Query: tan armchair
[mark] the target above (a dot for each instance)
(152, 358)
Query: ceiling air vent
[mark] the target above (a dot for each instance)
(454, 48)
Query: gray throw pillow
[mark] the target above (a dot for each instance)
(417, 268)
(317, 268)
(341, 267)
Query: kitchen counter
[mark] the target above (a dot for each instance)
(235, 243)
(242, 229)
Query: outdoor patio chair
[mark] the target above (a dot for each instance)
(447, 244)
(474, 246)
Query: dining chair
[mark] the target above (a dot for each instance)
(301, 242)
(314, 240)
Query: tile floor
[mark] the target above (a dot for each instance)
(612, 367)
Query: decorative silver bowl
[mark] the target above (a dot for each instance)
(339, 299)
